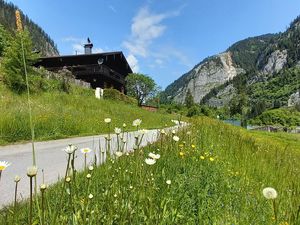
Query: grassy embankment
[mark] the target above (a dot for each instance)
(214, 175)
(58, 115)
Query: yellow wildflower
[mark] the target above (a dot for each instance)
(202, 157)
(181, 154)
(211, 159)
(193, 146)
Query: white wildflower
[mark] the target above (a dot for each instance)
(4, 165)
(70, 149)
(119, 154)
(150, 161)
(107, 120)
(85, 150)
(154, 156)
(176, 138)
(136, 122)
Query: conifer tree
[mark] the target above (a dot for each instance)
(189, 99)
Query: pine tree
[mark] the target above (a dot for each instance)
(189, 99)
(13, 64)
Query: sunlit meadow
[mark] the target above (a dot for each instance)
(205, 172)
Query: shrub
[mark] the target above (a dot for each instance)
(193, 111)
(114, 94)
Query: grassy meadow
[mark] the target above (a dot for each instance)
(57, 115)
(214, 174)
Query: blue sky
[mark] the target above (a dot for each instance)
(160, 38)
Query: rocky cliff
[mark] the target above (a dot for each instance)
(258, 60)
(207, 75)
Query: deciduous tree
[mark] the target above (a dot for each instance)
(140, 86)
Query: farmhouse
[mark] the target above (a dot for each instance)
(104, 70)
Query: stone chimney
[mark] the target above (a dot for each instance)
(88, 47)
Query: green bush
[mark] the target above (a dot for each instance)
(193, 111)
(114, 94)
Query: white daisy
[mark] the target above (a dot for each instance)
(107, 120)
(85, 150)
(150, 161)
(176, 138)
(154, 156)
(4, 165)
(136, 122)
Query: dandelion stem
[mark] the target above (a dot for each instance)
(274, 209)
(16, 191)
(43, 208)
(30, 212)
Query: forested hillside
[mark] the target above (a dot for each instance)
(42, 41)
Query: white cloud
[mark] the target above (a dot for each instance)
(112, 8)
(77, 49)
(78, 43)
(133, 62)
(171, 54)
(98, 50)
(145, 28)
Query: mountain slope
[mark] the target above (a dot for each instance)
(261, 59)
(42, 41)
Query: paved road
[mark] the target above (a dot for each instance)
(51, 159)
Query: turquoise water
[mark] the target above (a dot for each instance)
(236, 123)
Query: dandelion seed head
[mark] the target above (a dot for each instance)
(168, 182)
(118, 130)
(269, 193)
(32, 171)
(88, 176)
(43, 187)
(17, 178)
(91, 168)
(91, 196)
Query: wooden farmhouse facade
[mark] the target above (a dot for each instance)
(104, 70)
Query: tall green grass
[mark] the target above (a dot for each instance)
(57, 115)
(217, 175)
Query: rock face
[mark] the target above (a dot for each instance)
(294, 99)
(207, 75)
(223, 97)
(276, 62)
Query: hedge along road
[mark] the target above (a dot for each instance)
(52, 160)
